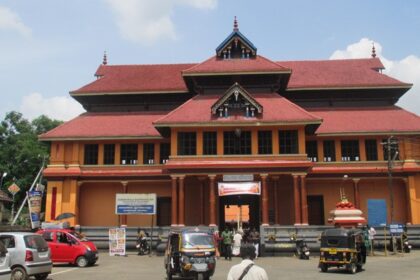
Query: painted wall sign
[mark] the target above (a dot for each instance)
(135, 204)
(239, 188)
(238, 178)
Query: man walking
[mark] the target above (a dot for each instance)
(227, 237)
(255, 239)
(247, 270)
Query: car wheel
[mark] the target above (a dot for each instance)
(19, 273)
(324, 267)
(43, 276)
(352, 268)
(82, 261)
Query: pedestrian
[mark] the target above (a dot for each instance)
(227, 236)
(216, 239)
(254, 235)
(247, 269)
(237, 239)
(371, 233)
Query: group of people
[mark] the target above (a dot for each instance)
(230, 242)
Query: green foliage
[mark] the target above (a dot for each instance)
(21, 154)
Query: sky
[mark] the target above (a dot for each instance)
(50, 47)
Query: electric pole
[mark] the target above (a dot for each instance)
(391, 146)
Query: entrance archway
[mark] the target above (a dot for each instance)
(252, 202)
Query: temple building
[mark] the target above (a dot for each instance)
(279, 139)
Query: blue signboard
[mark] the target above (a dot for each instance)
(376, 212)
(135, 204)
(396, 228)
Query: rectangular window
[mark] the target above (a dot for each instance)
(265, 142)
(329, 150)
(393, 148)
(237, 142)
(91, 154)
(209, 143)
(371, 149)
(129, 153)
(312, 150)
(165, 152)
(109, 154)
(350, 150)
(187, 143)
(148, 153)
(288, 142)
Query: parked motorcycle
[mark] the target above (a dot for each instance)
(143, 245)
(405, 246)
(302, 250)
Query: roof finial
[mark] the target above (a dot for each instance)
(373, 50)
(235, 25)
(105, 60)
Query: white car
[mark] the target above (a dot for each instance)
(5, 271)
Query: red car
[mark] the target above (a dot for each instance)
(68, 246)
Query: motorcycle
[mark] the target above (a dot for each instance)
(302, 250)
(406, 247)
(143, 245)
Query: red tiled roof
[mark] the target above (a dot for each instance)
(137, 78)
(215, 65)
(107, 125)
(275, 109)
(305, 74)
(391, 119)
(338, 74)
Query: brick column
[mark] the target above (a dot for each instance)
(276, 199)
(264, 191)
(408, 203)
(356, 192)
(174, 200)
(304, 200)
(181, 207)
(212, 199)
(124, 217)
(296, 199)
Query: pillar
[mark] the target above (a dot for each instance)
(202, 181)
(408, 203)
(264, 199)
(174, 202)
(304, 200)
(296, 199)
(356, 192)
(123, 218)
(275, 180)
(212, 199)
(181, 207)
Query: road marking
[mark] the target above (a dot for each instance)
(64, 271)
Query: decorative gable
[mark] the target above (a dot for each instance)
(236, 46)
(236, 100)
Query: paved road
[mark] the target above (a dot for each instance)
(405, 267)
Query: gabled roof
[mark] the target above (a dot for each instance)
(216, 66)
(340, 73)
(137, 78)
(4, 197)
(236, 89)
(197, 111)
(364, 121)
(122, 125)
(231, 37)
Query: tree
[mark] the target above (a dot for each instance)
(21, 153)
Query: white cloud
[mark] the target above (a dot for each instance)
(406, 70)
(146, 22)
(11, 21)
(58, 107)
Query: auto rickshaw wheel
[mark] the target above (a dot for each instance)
(359, 267)
(324, 267)
(352, 268)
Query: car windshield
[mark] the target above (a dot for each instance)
(197, 240)
(35, 242)
(79, 236)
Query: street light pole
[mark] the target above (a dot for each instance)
(1, 180)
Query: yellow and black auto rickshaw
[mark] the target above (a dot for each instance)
(190, 254)
(342, 248)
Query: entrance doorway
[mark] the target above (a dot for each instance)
(230, 205)
(316, 210)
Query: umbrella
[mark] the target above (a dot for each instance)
(63, 216)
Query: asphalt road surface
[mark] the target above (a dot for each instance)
(404, 267)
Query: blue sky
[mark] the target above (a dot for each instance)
(50, 47)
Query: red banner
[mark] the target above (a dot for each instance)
(239, 188)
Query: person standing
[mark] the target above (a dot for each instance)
(247, 269)
(227, 237)
(237, 239)
(371, 233)
(255, 239)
